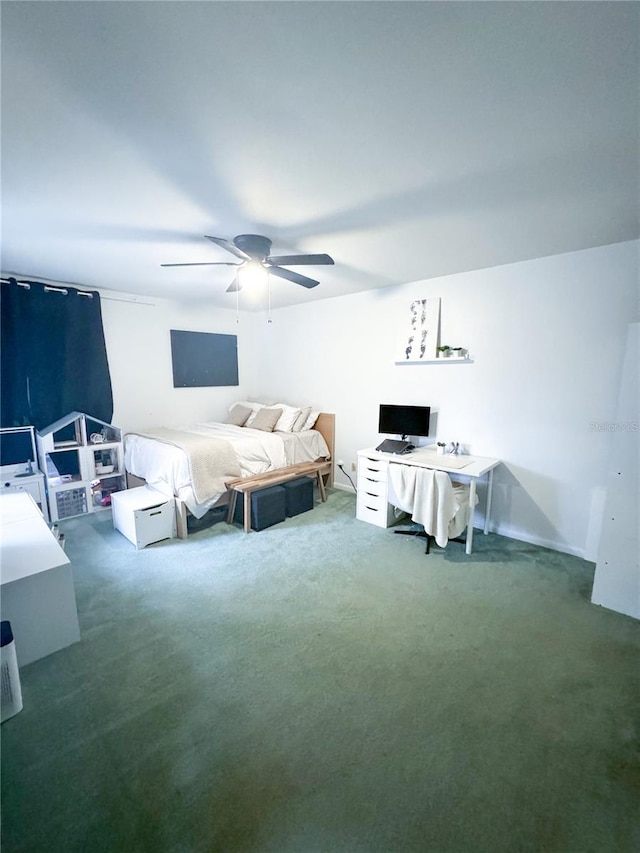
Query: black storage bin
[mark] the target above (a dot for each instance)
(268, 506)
(299, 494)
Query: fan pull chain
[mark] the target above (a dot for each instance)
(269, 297)
(237, 301)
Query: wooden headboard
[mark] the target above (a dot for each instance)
(326, 426)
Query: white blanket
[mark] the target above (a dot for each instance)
(431, 499)
(212, 461)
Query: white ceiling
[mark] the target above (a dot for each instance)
(406, 139)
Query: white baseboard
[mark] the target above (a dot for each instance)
(343, 487)
(532, 539)
(511, 533)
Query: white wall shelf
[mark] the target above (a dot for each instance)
(449, 360)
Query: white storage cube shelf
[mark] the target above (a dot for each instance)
(83, 464)
(144, 515)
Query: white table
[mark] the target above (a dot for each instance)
(37, 595)
(473, 467)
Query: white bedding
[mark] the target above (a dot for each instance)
(166, 467)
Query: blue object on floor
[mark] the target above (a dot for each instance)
(299, 495)
(268, 507)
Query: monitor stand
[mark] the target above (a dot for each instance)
(392, 445)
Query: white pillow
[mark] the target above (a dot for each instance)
(247, 404)
(311, 420)
(301, 419)
(287, 419)
(261, 401)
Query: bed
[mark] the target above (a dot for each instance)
(193, 463)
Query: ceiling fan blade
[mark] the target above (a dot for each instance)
(299, 260)
(295, 277)
(204, 264)
(229, 246)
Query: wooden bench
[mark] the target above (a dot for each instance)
(248, 485)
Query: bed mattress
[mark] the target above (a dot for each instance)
(166, 467)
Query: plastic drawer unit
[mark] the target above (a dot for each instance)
(372, 499)
(144, 515)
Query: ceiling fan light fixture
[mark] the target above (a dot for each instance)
(252, 275)
(256, 264)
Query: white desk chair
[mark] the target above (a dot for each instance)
(432, 500)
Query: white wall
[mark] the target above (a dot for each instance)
(547, 339)
(139, 352)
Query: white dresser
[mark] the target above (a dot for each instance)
(33, 484)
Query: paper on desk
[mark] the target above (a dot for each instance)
(439, 460)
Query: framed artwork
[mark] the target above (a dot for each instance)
(418, 338)
(203, 359)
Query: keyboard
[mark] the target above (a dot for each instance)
(392, 445)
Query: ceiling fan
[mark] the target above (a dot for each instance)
(252, 250)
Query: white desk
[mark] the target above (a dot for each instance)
(32, 483)
(372, 501)
(38, 596)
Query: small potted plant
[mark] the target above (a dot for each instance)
(444, 351)
(457, 352)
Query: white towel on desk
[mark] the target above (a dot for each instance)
(430, 498)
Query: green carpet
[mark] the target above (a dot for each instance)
(324, 686)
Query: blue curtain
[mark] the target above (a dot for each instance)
(53, 357)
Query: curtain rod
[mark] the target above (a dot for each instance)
(57, 288)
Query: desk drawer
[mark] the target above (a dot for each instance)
(370, 514)
(374, 510)
(372, 500)
(375, 468)
(372, 486)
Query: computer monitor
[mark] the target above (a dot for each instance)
(404, 420)
(17, 449)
